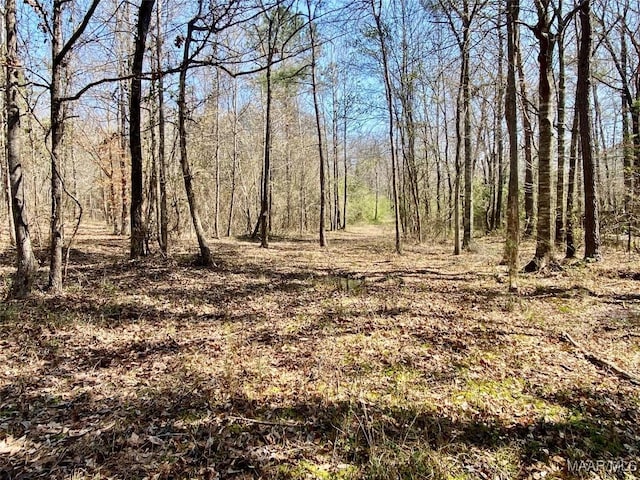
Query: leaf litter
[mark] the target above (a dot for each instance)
(297, 362)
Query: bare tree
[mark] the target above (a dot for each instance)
(205, 251)
(547, 39)
(316, 106)
(583, 93)
(466, 14)
(561, 94)
(376, 11)
(137, 248)
(571, 187)
(27, 265)
(162, 161)
(60, 51)
(511, 114)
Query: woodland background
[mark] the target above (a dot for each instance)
(301, 113)
(448, 194)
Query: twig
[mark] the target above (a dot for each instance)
(601, 362)
(266, 422)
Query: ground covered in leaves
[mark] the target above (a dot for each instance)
(297, 362)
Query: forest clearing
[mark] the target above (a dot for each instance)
(306, 239)
(299, 362)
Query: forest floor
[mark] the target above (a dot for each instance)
(297, 362)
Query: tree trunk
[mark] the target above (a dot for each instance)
(112, 189)
(546, 40)
(234, 155)
(456, 197)
(122, 117)
(316, 106)
(162, 161)
(529, 195)
(6, 178)
(152, 193)
(389, 92)
(334, 144)
(27, 265)
(346, 170)
(627, 151)
(583, 91)
(205, 251)
(57, 130)
(266, 165)
(137, 247)
(497, 217)
(216, 160)
(511, 114)
(59, 52)
(560, 230)
(571, 186)
(467, 222)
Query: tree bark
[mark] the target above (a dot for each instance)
(162, 162)
(571, 187)
(388, 93)
(546, 41)
(511, 114)
(560, 228)
(344, 161)
(467, 221)
(458, 167)
(316, 106)
(122, 18)
(57, 131)
(234, 154)
(266, 158)
(529, 194)
(27, 265)
(216, 160)
(137, 246)
(627, 139)
(205, 251)
(334, 144)
(591, 223)
(497, 216)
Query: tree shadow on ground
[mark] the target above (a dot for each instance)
(203, 427)
(190, 423)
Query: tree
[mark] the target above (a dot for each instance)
(279, 28)
(496, 217)
(591, 224)
(205, 251)
(163, 224)
(123, 44)
(571, 186)
(511, 114)
(546, 42)
(376, 11)
(60, 51)
(466, 14)
(529, 197)
(561, 93)
(27, 265)
(547, 39)
(137, 246)
(630, 91)
(316, 107)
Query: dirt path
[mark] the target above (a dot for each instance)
(298, 363)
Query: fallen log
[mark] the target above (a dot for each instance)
(600, 362)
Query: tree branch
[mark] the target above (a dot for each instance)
(77, 34)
